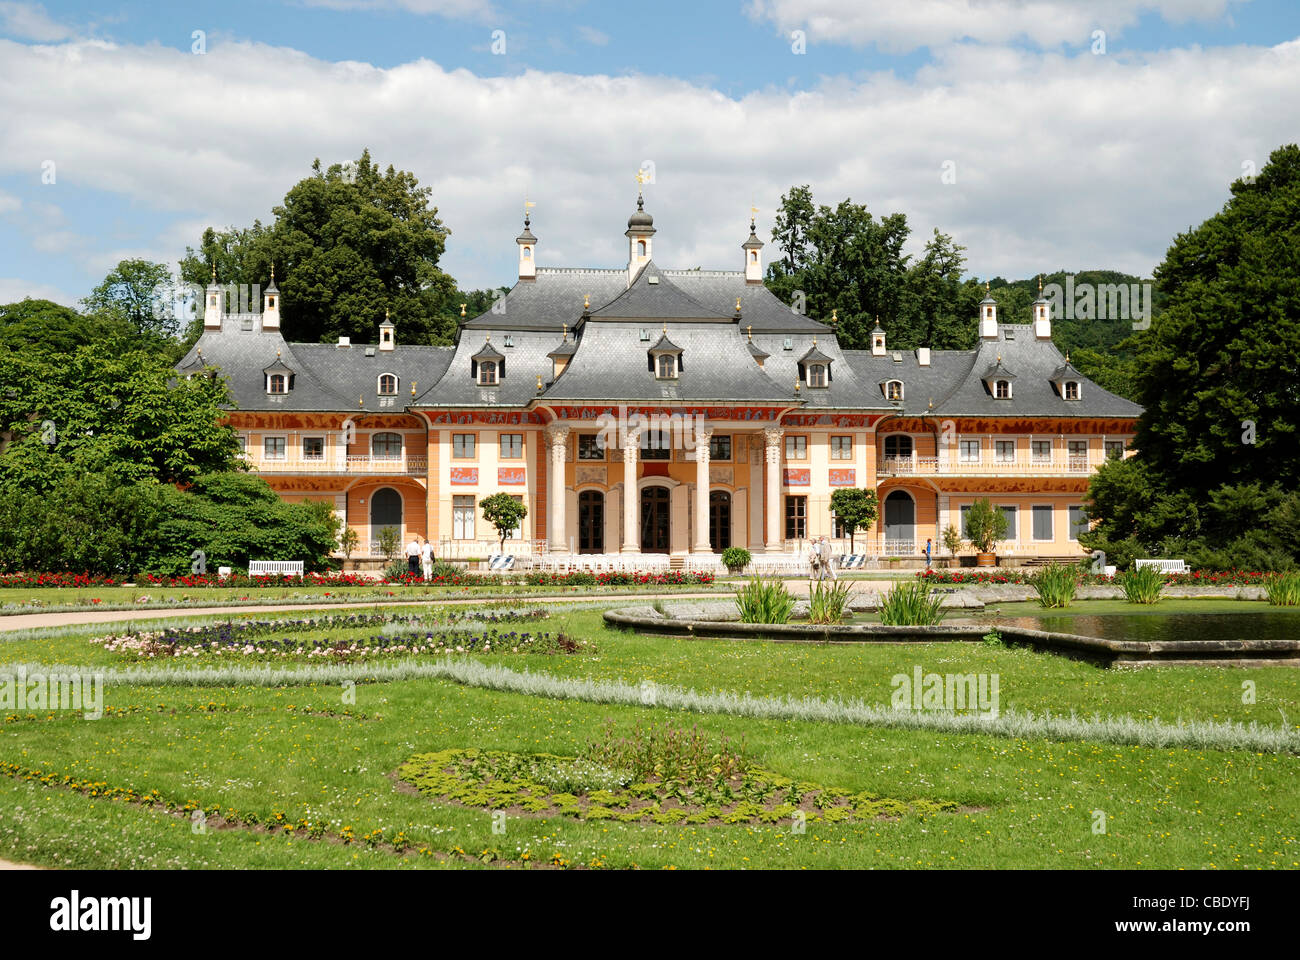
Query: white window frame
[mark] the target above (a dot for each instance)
(270, 382)
(1072, 384)
(379, 385)
(473, 446)
(323, 445)
(1035, 456)
(891, 393)
(459, 516)
(483, 379)
(375, 455)
(963, 454)
(284, 446)
(999, 446)
(792, 440)
(998, 386)
(816, 374)
(501, 450)
(838, 452)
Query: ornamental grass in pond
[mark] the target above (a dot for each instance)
(1056, 585)
(911, 604)
(1141, 584)
(764, 601)
(829, 603)
(650, 775)
(1283, 589)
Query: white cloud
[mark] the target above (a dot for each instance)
(13, 289)
(29, 21)
(898, 27)
(9, 203)
(1061, 161)
(591, 35)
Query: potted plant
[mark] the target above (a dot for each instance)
(953, 541)
(735, 559)
(985, 526)
(348, 541)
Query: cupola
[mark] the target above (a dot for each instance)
(753, 258)
(527, 249)
(988, 316)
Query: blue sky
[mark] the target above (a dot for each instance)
(1065, 158)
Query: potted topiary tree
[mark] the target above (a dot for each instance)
(985, 526)
(348, 541)
(736, 559)
(953, 541)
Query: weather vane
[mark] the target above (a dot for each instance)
(642, 178)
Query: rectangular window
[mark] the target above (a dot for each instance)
(1010, 513)
(462, 446)
(796, 448)
(720, 447)
(656, 445)
(590, 447)
(1078, 451)
(1043, 523)
(1114, 449)
(1005, 450)
(462, 518)
(273, 448)
(796, 518)
(512, 446)
(243, 444)
(970, 451)
(1042, 451)
(965, 509)
(1078, 522)
(841, 448)
(313, 448)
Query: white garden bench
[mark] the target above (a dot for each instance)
(852, 561)
(1164, 566)
(501, 561)
(275, 568)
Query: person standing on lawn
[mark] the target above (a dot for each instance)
(929, 545)
(426, 560)
(413, 556)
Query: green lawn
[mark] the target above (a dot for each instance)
(304, 753)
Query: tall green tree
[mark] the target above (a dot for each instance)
(348, 243)
(138, 293)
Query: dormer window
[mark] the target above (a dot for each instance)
(817, 375)
(510, 341)
(667, 367)
(893, 390)
(787, 343)
(487, 373)
(1002, 389)
(387, 385)
(1071, 390)
(277, 383)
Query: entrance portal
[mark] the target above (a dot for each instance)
(591, 522)
(719, 520)
(654, 520)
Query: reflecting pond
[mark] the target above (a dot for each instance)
(1151, 627)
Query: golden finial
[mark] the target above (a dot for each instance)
(385, 314)
(930, 405)
(361, 401)
(641, 178)
(539, 383)
(796, 384)
(566, 331)
(665, 328)
(999, 359)
(1067, 356)
(277, 353)
(835, 315)
(412, 388)
(738, 304)
(462, 311)
(200, 351)
(750, 330)
(1040, 283)
(586, 301)
(214, 269)
(986, 288)
(272, 273)
(814, 340)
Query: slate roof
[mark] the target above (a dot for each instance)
(611, 365)
(652, 296)
(326, 377)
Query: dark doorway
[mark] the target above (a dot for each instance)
(654, 520)
(719, 520)
(591, 522)
(900, 518)
(385, 511)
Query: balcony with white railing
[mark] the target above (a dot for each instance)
(990, 464)
(344, 466)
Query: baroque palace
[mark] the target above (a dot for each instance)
(649, 411)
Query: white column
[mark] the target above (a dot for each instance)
(558, 438)
(702, 437)
(631, 496)
(774, 437)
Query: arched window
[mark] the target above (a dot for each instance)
(386, 446)
(1071, 389)
(1002, 389)
(487, 373)
(640, 248)
(528, 253)
(277, 383)
(753, 256)
(387, 385)
(894, 390)
(667, 366)
(817, 375)
(898, 446)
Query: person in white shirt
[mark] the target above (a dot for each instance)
(413, 556)
(426, 559)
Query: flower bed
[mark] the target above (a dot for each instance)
(580, 578)
(575, 578)
(264, 640)
(1225, 578)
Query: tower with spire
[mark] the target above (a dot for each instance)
(753, 259)
(527, 248)
(640, 234)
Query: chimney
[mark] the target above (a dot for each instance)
(345, 342)
(922, 356)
